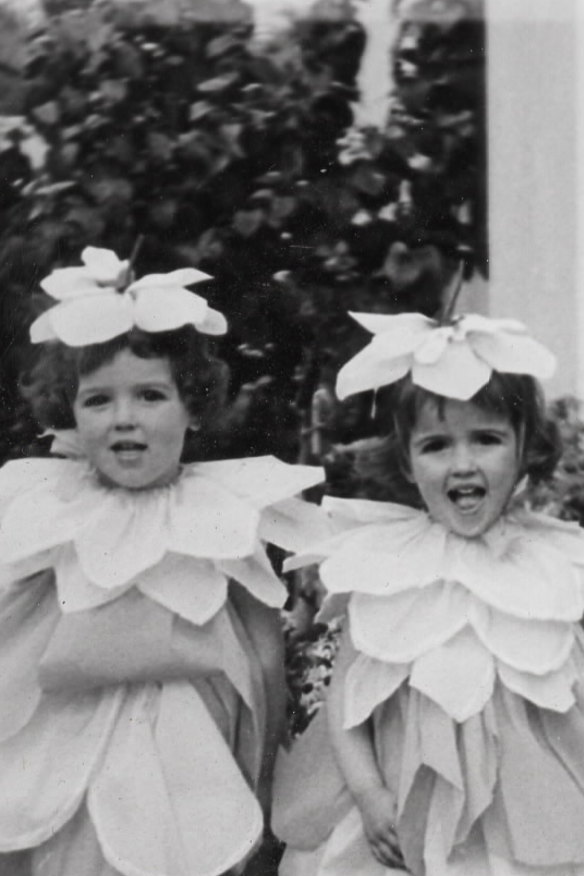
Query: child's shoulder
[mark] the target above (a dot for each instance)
(20, 476)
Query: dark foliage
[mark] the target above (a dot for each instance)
(243, 162)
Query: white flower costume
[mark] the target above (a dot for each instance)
(133, 702)
(469, 662)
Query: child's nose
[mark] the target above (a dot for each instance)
(124, 414)
(463, 461)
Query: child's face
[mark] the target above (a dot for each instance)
(465, 464)
(132, 421)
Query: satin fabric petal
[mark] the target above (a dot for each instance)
(553, 691)
(537, 647)
(258, 577)
(166, 308)
(205, 519)
(68, 734)
(458, 675)
(369, 682)
(262, 480)
(103, 264)
(411, 623)
(67, 283)
(514, 353)
(389, 324)
(191, 588)
(147, 804)
(367, 371)
(92, 319)
(28, 617)
(456, 374)
(294, 524)
(77, 592)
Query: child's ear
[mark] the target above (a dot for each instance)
(194, 424)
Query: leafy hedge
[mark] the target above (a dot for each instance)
(243, 161)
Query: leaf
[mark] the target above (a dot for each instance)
(247, 222)
(219, 83)
(47, 113)
(221, 46)
(113, 90)
(160, 146)
(163, 213)
(368, 180)
(90, 221)
(199, 110)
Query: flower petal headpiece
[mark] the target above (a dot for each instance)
(454, 359)
(101, 300)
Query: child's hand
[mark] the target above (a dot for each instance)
(377, 807)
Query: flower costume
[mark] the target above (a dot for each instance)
(134, 705)
(115, 602)
(466, 662)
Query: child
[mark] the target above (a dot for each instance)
(455, 737)
(140, 646)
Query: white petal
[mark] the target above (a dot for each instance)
(170, 797)
(473, 322)
(75, 590)
(552, 691)
(263, 480)
(538, 647)
(401, 628)
(457, 374)
(42, 329)
(368, 370)
(92, 320)
(181, 277)
(514, 353)
(192, 588)
(458, 676)
(221, 527)
(377, 323)
(107, 548)
(163, 308)
(368, 684)
(432, 346)
(214, 323)
(257, 576)
(294, 524)
(103, 264)
(64, 283)
(67, 735)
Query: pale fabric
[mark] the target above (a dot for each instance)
(134, 709)
(101, 300)
(469, 663)
(453, 359)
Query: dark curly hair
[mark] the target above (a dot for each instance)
(378, 467)
(51, 385)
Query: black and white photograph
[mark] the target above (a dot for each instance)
(291, 437)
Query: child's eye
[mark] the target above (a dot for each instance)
(435, 445)
(488, 438)
(152, 395)
(95, 401)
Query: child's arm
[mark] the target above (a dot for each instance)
(263, 626)
(355, 755)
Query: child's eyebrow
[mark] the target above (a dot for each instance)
(423, 437)
(142, 384)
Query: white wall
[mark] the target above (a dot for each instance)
(536, 156)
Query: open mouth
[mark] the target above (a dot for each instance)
(127, 447)
(467, 498)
